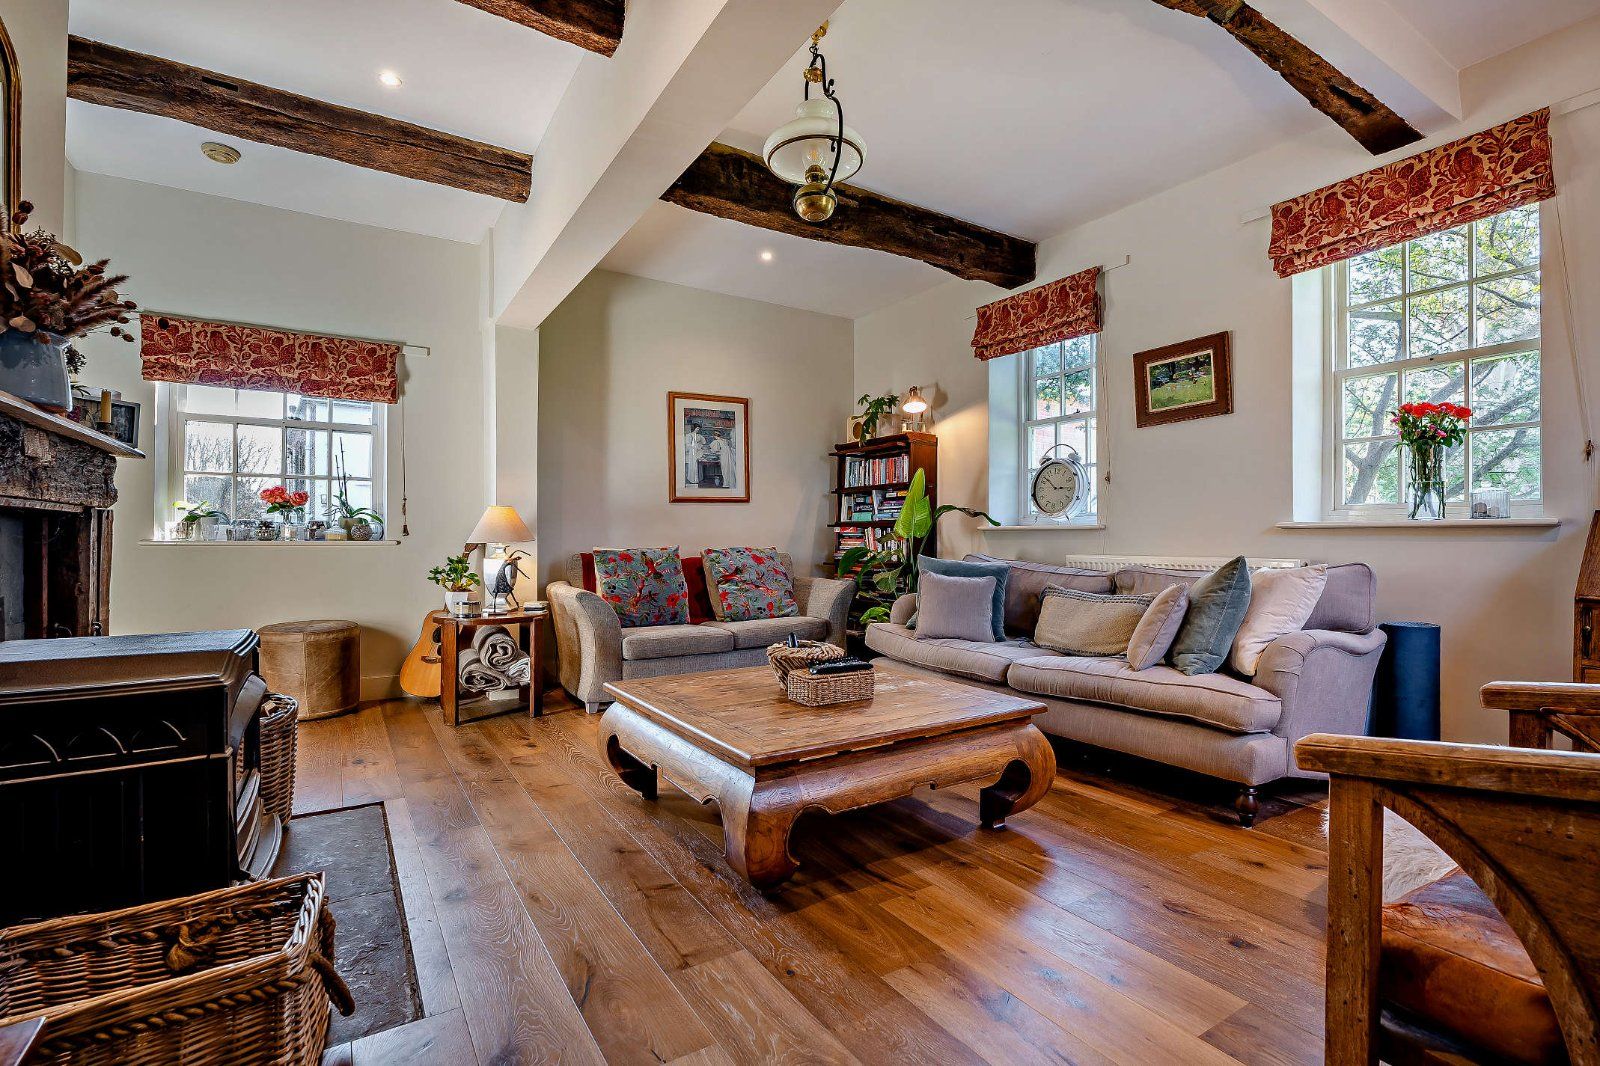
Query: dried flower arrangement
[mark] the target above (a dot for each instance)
(49, 293)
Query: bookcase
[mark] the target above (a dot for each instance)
(869, 484)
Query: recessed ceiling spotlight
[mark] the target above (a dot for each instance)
(766, 257)
(390, 78)
(217, 152)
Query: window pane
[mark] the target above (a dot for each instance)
(300, 484)
(352, 412)
(260, 450)
(1505, 389)
(1509, 241)
(1077, 392)
(1372, 472)
(1077, 352)
(321, 501)
(215, 491)
(1047, 361)
(307, 451)
(1375, 335)
(1092, 506)
(1369, 403)
(207, 446)
(1040, 440)
(1437, 384)
(1076, 435)
(1438, 258)
(1438, 322)
(1508, 309)
(1377, 274)
(209, 400)
(1455, 474)
(360, 494)
(1047, 398)
(254, 404)
(353, 453)
(1507, 459)
(247, 496)
(307, 408)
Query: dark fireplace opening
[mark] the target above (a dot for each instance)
(11, 576)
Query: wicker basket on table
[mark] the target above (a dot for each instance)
(790, 664)
(239, 975)
(280, 716)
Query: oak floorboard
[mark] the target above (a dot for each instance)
(774, 1027)
(367, 772)
(319, 766)
(438, 1040)
(436, 981)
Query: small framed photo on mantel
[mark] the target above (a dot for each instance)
(708, 448)
(1183, 381)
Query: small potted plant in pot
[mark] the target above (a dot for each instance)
(359, 523)
(458, 580)
(196, 520)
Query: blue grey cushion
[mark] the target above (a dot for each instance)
(1217, 605)
(954, 608)
(958, 568)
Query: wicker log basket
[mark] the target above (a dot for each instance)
(239, 975)
(789, 664)
(280, 716)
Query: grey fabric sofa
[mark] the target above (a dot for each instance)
(1243, 730)
(593, 647)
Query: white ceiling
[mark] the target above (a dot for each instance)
(464, 71)
(1469, 31)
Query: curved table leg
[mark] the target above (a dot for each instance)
(639, 776)
(1023, 783)
(755, 827)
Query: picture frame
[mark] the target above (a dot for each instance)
(1184, 381)
(708, 448)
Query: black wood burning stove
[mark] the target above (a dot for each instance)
(129, 770)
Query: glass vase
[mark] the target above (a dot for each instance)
(1426, 481)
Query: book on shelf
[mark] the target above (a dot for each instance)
(860, 470)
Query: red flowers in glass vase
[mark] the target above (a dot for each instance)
(1427, 431)
(280, 500)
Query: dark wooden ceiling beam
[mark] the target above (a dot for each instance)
(592, 24)
(115, 77)
(732, 184)
(1358, 112)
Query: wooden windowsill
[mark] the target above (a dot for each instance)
(1392, 525)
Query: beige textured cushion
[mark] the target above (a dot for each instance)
(978, 660)
(1216, 700)
(1085, 623)
(759, 632)
(1281, 601)
(1154, 634)
(668, 642)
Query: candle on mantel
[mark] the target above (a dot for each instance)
(105, 407)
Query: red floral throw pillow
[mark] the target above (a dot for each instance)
(749, 583)
(645, 586)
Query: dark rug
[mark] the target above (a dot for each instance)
(371, 946)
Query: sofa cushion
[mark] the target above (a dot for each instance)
(667, 642)
(969, 567)
(1280, 603)
(1211, 699)
(1088, 623)
(580, 573)
(1027, 582)
(1153, 636)
(645, 586)
(748, 583)
(1349, 600)
(981, 661)
(759, 632)
(1217, 605)
(1450, 959)
(959, 608)
(1149, 580)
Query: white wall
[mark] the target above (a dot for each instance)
(38, 32)
(609, 355)
(1219, 486)
(210, 257)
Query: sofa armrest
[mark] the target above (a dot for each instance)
(829, 598)
(588, 641)
(903, 609)
(1324, 679)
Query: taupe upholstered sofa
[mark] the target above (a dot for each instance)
(594, 648)
(1242, 730)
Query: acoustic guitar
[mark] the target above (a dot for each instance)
(420, 674)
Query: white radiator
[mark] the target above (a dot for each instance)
(1110, 563)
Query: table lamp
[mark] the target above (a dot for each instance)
(499, 528)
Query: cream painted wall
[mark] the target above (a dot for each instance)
(219, 258)
(38, 31)
(609, 355)
(1220, 486)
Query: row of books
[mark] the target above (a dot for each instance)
(876, 505)
(859, 537)
(863, 471)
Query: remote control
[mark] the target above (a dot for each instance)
(839, 666)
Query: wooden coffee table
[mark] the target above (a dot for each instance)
(730, 736)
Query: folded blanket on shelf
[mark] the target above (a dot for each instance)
(496, 647)
(477, 676)
(520, 671)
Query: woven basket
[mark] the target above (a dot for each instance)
(789, 664)
(279, 717)
(240, 975)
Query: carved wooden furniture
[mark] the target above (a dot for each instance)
(318, 663)
(455, 634)
(129, 770)
(1505, 967)
(1586, 610)
(1539, 709)
(730, 736)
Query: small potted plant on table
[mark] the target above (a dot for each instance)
(458, 580)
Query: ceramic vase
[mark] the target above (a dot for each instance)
(35, 370)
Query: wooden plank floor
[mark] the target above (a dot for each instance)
(557, 916)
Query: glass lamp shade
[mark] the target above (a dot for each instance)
(807, 141)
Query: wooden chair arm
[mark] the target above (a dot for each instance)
(1564, 696)
(1564, 775)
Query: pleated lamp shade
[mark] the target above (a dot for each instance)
(500, 525)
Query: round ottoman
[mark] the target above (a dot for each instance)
(317, 662)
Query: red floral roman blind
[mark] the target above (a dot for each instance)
(1055, 311)
(194, 352)
(1478, 176)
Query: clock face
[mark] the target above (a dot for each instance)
(1056, 487)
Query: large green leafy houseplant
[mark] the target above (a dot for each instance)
(886, 573)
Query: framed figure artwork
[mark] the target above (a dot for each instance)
(708, 448)
(1193, 379)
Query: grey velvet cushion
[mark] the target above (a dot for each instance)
(1349, 600)
(1153, 636)
(975, 568)
(1217, 606)
(1027, 583)
(1149, 580)
(977, 660)
(955, 607)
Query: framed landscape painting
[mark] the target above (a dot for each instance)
(1183, 381)
(708, 448)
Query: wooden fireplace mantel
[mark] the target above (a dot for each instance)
(62, 426)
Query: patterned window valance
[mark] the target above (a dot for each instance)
(1478, 176)
(1056, 311)
(195, 352)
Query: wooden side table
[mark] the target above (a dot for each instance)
(456, 633)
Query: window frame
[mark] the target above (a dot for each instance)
(1026, 515)
(172, 417)
(1336, 329)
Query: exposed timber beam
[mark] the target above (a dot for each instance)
(103, 74)
(729, 183)
(1358, 112)
(592, 24)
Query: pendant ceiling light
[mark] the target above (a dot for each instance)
(815, 150)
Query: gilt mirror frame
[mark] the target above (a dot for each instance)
(11, 150)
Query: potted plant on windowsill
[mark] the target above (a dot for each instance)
(47, 298)
(197, 519)
(359, 523)
(458, 580)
